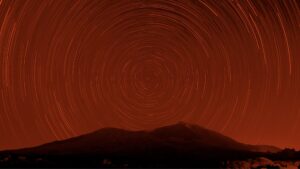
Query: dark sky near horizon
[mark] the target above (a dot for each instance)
(68, 67)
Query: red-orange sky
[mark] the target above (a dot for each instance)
(68, 67)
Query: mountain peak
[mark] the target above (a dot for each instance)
(181, 124)
(180, 143)
(179, 130)
(186, 124)
(188, 131)
(111, 139)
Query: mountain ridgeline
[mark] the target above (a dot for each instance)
(176, 145)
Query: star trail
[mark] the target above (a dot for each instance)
(70, 67)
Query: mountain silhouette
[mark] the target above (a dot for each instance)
(208, 138)
(180, 144)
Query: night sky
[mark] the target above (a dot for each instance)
(68, 67)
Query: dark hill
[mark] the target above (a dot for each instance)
(181, 144)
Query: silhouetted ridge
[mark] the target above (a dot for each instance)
(165, 145)
(180, 130)
(199, 135)
(113, 139)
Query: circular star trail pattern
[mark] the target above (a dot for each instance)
(69, 67)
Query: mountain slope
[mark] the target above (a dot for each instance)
(112, 140)
(187, 142)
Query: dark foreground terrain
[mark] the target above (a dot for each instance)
(179, 145)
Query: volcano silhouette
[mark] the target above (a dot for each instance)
(176, 145)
